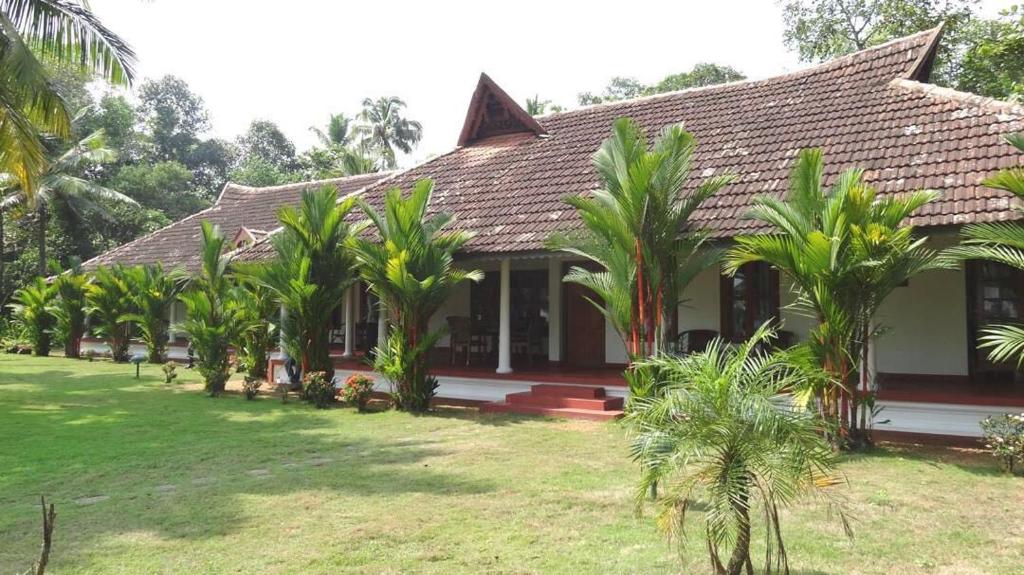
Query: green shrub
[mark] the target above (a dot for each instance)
(71, 310)
(357, 390)
(318, 389)
(110, 302)
(1004, 438)
(13, 336)
(34, 309)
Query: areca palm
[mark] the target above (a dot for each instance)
(63, 32)
(844, 250)
(383, 129)
(59, 186)
(312, 270)
(724, 432)
(637, 230)
(33, 307)
(212, 318)
(256, 336)
(109, 298)
(154, 293)
(1001, 242)
(410, 267)
(71, 309)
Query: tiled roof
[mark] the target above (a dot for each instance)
(864, 109)
(255, 209)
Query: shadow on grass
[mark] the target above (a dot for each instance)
(973, 461)
(108, 434)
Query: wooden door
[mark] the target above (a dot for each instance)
(584, 328)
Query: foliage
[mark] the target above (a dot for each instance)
(993, 60)
(357, 390)
(71, 309)
(153, 295)
(624, 88)
(309, 275)
(34, 307)
(212, 318)
(1004, 438)
(258, 172)
(173, 115)
(63, 32)
(410, 267)
(633, 231)
(383, 128)
(170, 370)
(251, 386)
(845, 250)
(318, 389)
(724, 432)
(337, 133)
(164, 185)
(265, 141)
(110, 302)
(537, 107)
(1001, 242)
(14, 336)
(258, 330)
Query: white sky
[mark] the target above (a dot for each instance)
(295, 62)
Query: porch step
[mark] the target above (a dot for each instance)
(568, 401)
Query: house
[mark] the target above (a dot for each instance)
(874, 109)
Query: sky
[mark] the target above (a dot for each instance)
(297, 62)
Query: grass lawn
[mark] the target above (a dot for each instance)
(154, 478)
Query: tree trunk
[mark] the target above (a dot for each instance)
(41, 236)
(3, 255)
(741, 553)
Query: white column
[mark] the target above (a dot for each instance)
(554, 309)
(350, 328)
(505, 319)
(280, 334)
(382, 323)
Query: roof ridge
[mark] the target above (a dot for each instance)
(932, 90)
(303, 184)
(812, 69)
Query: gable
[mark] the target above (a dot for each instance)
(492, 112)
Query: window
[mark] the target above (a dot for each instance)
(994, 297)
(749, 298)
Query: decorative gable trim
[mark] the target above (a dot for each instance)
(492, 112)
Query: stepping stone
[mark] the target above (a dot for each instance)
(259, 472)
(91, 500)
(318, 461)
(166, 488)
(290, 465)
(202, 480)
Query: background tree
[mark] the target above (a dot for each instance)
(309, 275)
(153, 293)
(33, 308)
(109, 296)
(173, 116)
(633, 229)
(624, 88)
(337, 132)
(537, 107)
(724, 434)
(212, 318)
(71, 309)
(383, 128)
(410, 267)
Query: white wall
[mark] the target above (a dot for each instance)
(457, 305)
(699, 308)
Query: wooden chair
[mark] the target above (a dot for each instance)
(527, 340)
(460, 333)
(694, 340)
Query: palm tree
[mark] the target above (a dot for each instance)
(310, 274)
(383, 129)
(338, 132)
(256, 336)
(71, 308)
(844, 250)
(725, 433)
(63, 32)
(637, 230)
(109, 298)
(410, 268)
(33, 307)
(1001, 242)
(212, 319)
(153, 294)
(59, 187)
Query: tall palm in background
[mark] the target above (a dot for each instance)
(61, 187)
(337, 132)
(1001, 242)
(411, 269)
(844, 250)
(383, 129)
(636, 228)
(63, 32)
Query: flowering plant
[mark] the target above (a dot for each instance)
(357, 390)
(1004, 437)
